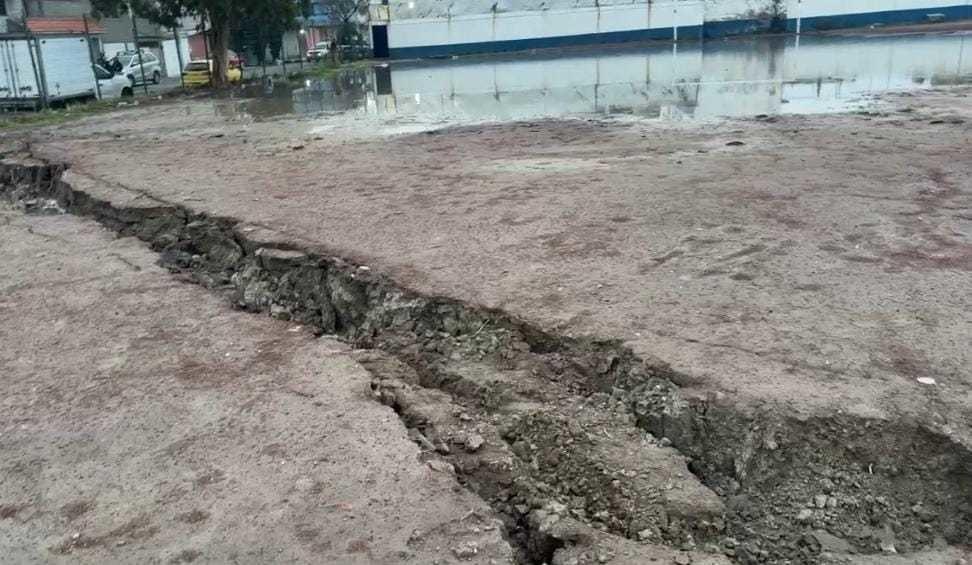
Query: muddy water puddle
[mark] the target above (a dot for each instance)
(690, 80)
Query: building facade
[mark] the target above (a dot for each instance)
(46, 17)
(430, 28)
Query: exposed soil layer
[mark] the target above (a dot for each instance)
(816, 263)
(144, 420)
(590, 453)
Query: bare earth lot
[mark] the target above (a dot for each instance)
(144, 421)
(806, 279)
(824, 264)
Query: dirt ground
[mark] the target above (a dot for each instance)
(144, 421)
(817, 262)
(812, 268)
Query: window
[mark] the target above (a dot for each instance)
(101, 73)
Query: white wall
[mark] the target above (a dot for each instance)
(811, 8)
(112, 49)
(291, 46)
(171, 57)
(419, 23)
(15, 9)
(722, 10)
(507, 26)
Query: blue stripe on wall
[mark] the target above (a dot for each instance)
(532, 43)
(890, 17)
(709, 30)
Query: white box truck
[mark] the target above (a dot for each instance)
(57, 66)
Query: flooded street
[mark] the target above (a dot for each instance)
(690, 80)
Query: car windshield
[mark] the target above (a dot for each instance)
(197, 66)
(321, 45)
(125, 60)
(101, 73)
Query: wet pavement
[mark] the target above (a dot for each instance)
(167, 84)
(688, 80)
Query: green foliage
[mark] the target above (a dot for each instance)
(50, 117)
(164, 13)
(281, 13)
(343, 11)
(272, 17)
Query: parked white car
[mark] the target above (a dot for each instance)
(319, 51)
(112, 85)
(129, 62)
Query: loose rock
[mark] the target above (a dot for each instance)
(441, 466)
(474, 442)
(466, 550)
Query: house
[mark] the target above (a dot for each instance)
(47, 17)
(321, 24)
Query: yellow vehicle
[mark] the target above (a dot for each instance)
(196, 73)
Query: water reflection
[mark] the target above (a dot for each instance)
(268, 98)
(776, 75)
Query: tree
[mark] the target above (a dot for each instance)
(343, 16)
(343, 11)
(218, 16)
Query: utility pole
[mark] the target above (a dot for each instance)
(36, 61)
(45, 96)
(87, 39)
(138, 50)
(178, 46)
(302, 46)
(263, 51)
(209, 63)
(33, 65)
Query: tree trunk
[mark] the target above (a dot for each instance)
(219, 36)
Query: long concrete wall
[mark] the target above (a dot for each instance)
(423, 28)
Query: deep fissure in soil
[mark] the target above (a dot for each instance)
(576, 443)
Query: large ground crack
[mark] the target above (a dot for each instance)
(589, 453)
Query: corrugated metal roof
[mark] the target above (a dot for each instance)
(63, 25)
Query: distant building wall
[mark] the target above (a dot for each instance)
(118, 30)
(291, 46)
(14, 16)
(170, 57)
(14, 9)
(419, 28)
(197, 47)
(114, 48)
(56, 8)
